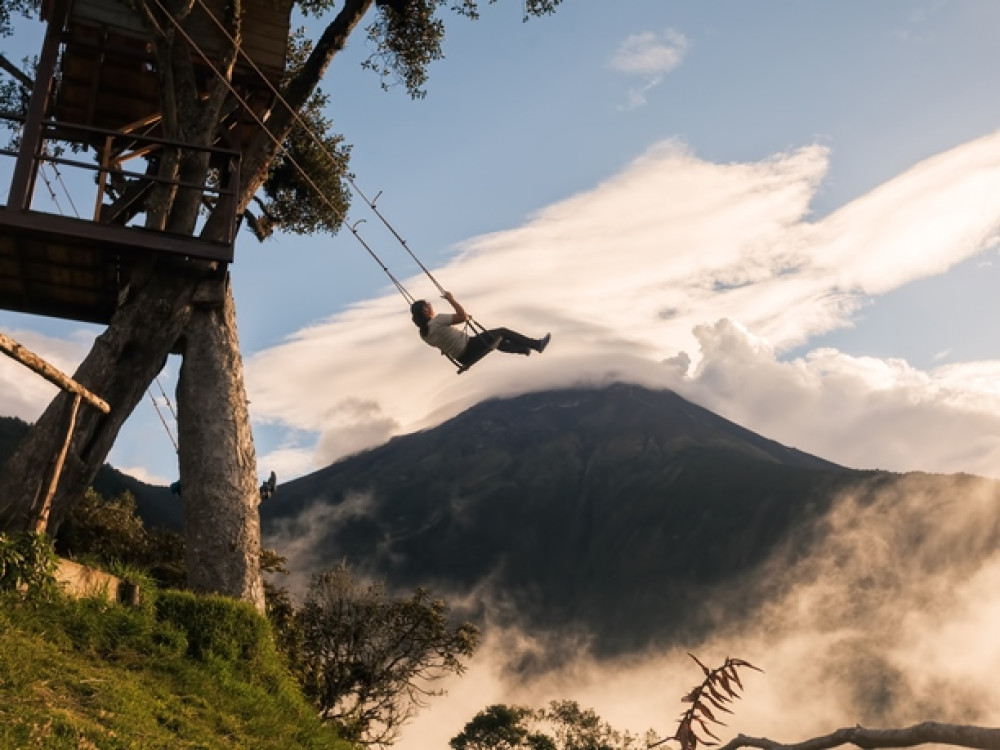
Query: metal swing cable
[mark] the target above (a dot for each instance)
(370, 202)
(170, 407)
(163, 421)
(69, 197)
(337, 212)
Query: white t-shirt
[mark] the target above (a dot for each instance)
(442, 334)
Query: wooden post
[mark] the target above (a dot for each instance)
(42, 521)
(31, 360)
(26, 167)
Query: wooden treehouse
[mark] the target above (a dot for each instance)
(94, 111)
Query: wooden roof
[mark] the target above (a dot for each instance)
(107, 67)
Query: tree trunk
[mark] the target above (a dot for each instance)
(217, 460)
(119, 368)
(929, 732)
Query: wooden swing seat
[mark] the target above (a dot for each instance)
(465, 364)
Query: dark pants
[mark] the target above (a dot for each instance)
(510, 341)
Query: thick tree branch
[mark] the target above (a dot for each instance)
(296, 93)
(16, 73)
(985, 738)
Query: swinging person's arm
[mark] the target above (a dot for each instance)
(460, 315)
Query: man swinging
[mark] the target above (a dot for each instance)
(439, 331)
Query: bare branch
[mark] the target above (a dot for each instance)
(959, 735)
(22, 78)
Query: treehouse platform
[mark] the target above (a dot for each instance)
(74, 225)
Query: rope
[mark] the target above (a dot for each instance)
(337, 212)
(166, 427)
(370, 202)
(156, 406)
(166, 398)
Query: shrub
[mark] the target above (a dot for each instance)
(27, 561)
(220, 629)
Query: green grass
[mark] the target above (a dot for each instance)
(179, 671)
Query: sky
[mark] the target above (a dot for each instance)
(787, 213)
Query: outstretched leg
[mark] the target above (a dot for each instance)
(513, 342)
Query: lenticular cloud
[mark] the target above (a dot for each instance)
(628, 275)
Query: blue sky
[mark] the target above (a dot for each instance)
(797, 200)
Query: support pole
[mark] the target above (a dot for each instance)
(42, 521)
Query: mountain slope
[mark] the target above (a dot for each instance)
(611, 510)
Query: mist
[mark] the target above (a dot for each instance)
(889, 618)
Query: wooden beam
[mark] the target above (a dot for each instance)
(42, 521)
(31, 360)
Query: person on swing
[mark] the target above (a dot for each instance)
(438, 331)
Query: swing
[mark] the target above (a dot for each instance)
(489, 344)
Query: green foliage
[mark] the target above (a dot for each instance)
(564, 725)
(367, 659)
(407, 36)
(501, 727)
(306, 206)
(11, 8)
(111, 533)
(27, 561)
(93, 674)
(218, 628)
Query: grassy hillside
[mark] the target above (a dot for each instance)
(179, 671)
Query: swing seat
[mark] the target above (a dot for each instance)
(462, 366)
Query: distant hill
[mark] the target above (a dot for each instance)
(610, 510)
(156, 505)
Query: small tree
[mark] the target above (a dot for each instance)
(501, 727)
(368, 660)
(570, 727)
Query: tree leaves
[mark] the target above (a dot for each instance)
(720, 686)
(368, 660)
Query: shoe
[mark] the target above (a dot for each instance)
(544, 342)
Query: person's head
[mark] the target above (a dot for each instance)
(421, 312)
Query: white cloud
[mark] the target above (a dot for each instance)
(650, 56)
(144, 475)
(25, 394)
(632, 278)
(861, 412)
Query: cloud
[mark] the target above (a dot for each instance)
(25, 394)
(299, 538)
(632, 278)
(144, 475)
(861, 412)
(650, 56)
